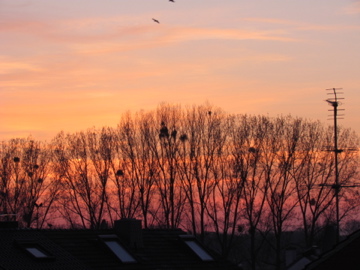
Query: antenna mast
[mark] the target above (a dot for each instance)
(334, 102)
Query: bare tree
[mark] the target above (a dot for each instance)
(136, 170)
(285, 138)
(252, 166)
(202, 140)
(312, 176)
(101, 147)
(84, 193)
(165, 150)
(25, 166)
(222, 192)
(147, 170)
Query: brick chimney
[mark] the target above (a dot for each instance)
(130, 231)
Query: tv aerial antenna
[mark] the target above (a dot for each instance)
(335, 103)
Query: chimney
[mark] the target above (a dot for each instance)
(130, 230)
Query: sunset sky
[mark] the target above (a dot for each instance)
(71, 65)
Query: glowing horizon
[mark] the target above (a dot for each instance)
(72, 66)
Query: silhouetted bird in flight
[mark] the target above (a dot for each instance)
(172, 1)
(155, 20)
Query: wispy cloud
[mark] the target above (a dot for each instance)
(101, 29)
(269, 21)
(11, 66)
(305, 26)
(74, 67)
(185, 34)
(353, 8)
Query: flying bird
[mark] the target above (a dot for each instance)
(155, 20)
(172, 1)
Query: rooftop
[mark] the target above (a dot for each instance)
(105, 249)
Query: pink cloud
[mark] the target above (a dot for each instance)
(353, 8)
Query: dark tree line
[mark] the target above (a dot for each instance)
(197, 168)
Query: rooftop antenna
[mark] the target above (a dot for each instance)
(335, 103)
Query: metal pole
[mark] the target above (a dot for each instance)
(337, 185)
